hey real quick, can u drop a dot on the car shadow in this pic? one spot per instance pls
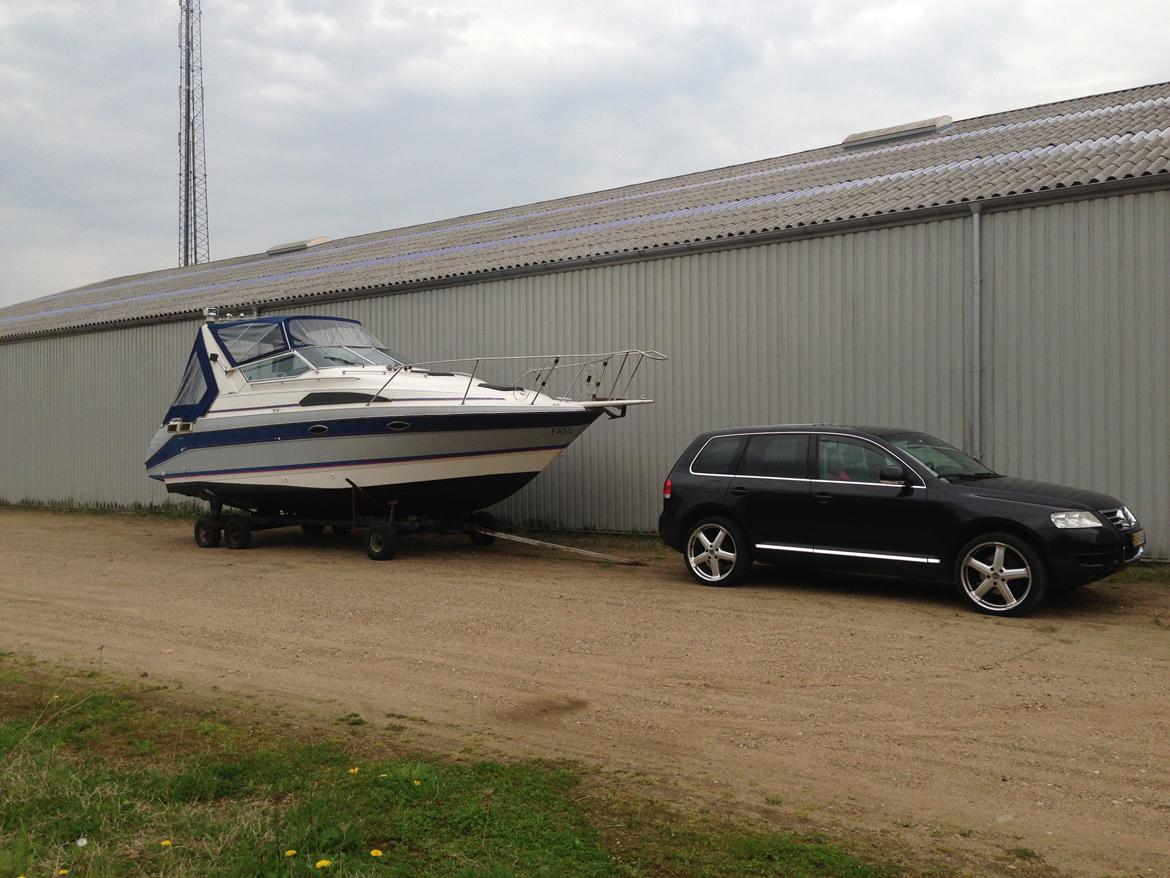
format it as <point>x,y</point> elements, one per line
<point>1094,600</point>
<point>859,585</point>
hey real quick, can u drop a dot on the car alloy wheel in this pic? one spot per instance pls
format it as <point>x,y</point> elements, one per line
<point>716,552</point>
<point>996,577</point>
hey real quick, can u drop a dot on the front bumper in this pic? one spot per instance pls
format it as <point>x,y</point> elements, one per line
<point>1079,556</point>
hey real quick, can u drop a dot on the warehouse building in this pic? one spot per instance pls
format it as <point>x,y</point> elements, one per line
<point>1002,282</point>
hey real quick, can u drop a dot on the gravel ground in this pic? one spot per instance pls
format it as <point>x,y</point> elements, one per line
<point>874,708</point>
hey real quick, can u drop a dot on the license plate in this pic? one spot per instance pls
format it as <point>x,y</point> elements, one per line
<point>1139,538</point>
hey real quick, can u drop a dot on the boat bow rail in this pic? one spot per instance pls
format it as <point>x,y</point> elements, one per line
<point>593,380</point>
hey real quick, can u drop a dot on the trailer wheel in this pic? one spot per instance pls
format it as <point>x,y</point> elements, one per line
<point>484,520</point>
<point>237,533</point>
<point>380,541</point>
<point>207,532</point>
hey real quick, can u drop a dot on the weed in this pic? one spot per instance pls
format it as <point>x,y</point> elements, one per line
<point>108,780</point>
<point>1024,854</point>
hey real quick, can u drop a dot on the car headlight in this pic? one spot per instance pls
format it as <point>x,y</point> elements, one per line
<point>1075,519</point>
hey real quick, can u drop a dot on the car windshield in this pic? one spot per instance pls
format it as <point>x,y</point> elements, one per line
<point>942,459</point>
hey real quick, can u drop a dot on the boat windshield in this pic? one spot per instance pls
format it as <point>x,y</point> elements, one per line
<point>942,459</point>
<point>326,356</point>
<point>379,356</point>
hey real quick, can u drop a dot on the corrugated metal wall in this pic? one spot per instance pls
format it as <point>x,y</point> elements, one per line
<point>1076,321</point>
<point>78,411</point>
<point>866,327</point>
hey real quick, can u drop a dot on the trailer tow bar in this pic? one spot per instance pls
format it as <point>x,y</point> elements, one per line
<point>528,541</point>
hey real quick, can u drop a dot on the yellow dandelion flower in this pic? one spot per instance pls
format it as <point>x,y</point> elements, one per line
<point>323,864</point>
<point>166,842</point>
<point>353,770</point>
<point>291,852</point>
<point>417,782</point>
<point>62,871</point>
<point>375,853</point>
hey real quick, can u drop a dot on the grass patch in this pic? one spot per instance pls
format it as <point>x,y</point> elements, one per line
<point>106,779</point>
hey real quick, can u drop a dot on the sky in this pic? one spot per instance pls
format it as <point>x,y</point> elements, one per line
<point>340,117</point>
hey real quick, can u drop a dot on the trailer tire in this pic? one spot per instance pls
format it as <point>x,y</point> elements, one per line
<point>380,541</point>
<point>484,520</point>
<point>207,532</point>
<point>237,533</point>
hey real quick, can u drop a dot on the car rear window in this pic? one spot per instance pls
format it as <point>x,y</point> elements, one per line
<point>718,456</point>
<point>778,455</point>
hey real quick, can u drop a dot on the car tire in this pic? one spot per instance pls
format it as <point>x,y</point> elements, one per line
<point>711,535</point>
<point>1001,574</point>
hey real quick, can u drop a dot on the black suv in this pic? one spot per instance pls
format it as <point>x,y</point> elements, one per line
<point>889,502</point>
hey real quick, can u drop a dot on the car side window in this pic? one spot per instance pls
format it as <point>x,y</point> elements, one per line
<point>718,456</point>
<point>777,455</point>
<point>850,460</point>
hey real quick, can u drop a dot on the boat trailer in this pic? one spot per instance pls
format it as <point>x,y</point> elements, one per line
<point>379,535</point>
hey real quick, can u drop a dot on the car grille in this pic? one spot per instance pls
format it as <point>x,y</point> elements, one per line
<point>1121,518</point>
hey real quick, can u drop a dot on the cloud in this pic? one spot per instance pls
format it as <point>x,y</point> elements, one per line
<point>340,117</point>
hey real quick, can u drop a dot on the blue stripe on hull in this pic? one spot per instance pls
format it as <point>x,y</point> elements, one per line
<point>343,463</point>
<point>371,426</point>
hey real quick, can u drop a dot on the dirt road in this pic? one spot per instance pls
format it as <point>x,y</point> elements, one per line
<point>875,708</point>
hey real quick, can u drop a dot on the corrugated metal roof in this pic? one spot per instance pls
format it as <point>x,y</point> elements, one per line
<point>1116,136</point>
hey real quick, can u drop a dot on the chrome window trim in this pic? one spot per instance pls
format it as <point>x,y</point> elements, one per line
<point>896,455</point>
<point>897,485</point>
<point>849,553</point>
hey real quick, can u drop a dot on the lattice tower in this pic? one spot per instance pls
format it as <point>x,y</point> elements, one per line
<point>193,244</point>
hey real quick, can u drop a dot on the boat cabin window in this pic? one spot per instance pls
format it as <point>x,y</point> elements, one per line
<point>325,357</point>
<point>194,384</point>
<point>309,332</point>
<point>247,341</point>
<point>287,366</point>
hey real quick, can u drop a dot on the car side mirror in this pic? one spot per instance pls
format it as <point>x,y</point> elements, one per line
<point>893,475</point>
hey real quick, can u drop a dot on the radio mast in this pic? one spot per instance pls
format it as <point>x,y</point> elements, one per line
<point>193,247</point>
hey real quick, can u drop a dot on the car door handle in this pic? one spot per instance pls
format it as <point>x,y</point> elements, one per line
<point>822,497</point>
<point>739,491</point>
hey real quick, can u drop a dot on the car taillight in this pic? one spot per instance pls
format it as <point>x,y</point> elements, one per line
<point>666,490</point>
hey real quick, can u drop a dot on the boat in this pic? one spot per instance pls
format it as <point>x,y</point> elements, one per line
<point>313,418</point>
